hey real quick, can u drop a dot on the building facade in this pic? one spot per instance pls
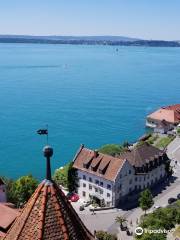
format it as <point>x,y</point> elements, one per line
<point>112,180</point>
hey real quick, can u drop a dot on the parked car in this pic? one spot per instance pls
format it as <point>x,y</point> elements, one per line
<point>157,207</point>
<point>178,196</point>
<point>172,200</point>
<point>74,197</point>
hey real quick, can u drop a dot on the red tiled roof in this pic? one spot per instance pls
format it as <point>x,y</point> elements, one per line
<point>7,216</point>
<point>98,164</point>
<point>170,114</point>
<point>2,235</point>
<point>48,215</point>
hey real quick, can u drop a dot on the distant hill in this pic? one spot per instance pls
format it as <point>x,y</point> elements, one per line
<point>88,40</point>
<point>71,38</point>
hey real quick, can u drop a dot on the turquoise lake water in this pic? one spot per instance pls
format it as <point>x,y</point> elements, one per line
<point>87,94</point>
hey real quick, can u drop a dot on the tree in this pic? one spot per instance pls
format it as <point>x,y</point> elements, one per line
<point>22,189</point>
<point>168,169</point>
<point>112,149</point>
<point>146,200</point>
<point>178,131</point>
<point>120,220</point>
<point>101,235</point>
<point>72,178</point>
<point>67,177</point>
<point>61,176</point>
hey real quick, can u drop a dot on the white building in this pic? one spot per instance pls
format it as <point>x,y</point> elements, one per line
<point>112,180</point>
<point>3,197</point>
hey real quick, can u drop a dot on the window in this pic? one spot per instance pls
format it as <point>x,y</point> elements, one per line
<point>84,177</point>
<point>108,195</point>
<point>120,186</point>
<point>90,179</point>
<point>90,187</point>
<point>120,176</point>
<point>108,186</point>
<point>97,181</point>
<point>101,191</point>
<point>129,171</point>
<point>130,181</point>
<point>84,185</point>
<point>135,179</point>
<point>84,194</point>
<point>101,184</point>
<point>96,190</point>
<point>130,190</point>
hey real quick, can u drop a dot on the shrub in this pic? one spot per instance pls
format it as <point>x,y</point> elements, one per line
<point>101,235</point>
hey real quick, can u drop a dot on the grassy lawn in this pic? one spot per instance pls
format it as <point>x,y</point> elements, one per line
<point>164,142</point>
<point>152,139</point>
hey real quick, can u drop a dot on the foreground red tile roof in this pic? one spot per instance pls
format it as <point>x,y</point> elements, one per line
<point>48,215</point>
<point>98,164</point>
<point>2,235</point>
<point>170,114</point>
<point>7,216</point>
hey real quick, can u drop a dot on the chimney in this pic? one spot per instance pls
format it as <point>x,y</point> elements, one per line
<point>96,153</point>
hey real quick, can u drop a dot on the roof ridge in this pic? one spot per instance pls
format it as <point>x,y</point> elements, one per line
<point>58,207</point>
<point>78,152</point>
<point>44,201</point>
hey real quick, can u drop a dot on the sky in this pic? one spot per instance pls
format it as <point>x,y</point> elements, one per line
<point>146,19</point>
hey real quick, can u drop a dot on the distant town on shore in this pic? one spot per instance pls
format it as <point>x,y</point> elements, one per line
<point>88,40</point>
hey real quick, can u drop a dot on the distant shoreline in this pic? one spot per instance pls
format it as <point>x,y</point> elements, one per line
<point>78,41</point>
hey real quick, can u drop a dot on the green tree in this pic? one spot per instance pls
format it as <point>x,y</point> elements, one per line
<point>112,149</point>
<point>178,131</point>
<point>120,220</point>
<point>72,178</point>
<point>22,189</point>
<point>61,176</point>
<point>146,200</point>
<point>67,177</point>
<point>168,169</point>
<point>101,235</point>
